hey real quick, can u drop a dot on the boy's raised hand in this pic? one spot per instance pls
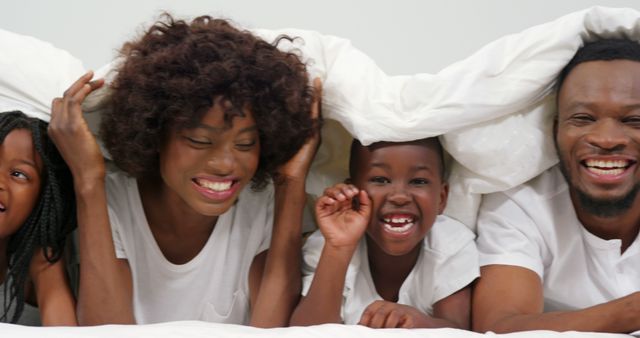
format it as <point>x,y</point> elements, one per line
<point>384,314</point>
<point>341,221</point>
<point>69,131</point>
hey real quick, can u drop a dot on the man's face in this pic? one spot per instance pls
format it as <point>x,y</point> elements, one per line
<point>598,135</point>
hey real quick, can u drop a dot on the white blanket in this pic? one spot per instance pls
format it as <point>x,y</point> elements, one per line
<point>211,330</point>
<point>492,110</point>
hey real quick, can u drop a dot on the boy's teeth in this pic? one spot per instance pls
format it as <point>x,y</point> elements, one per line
<point>215,186</point>
<point>398,220</point>
<point>398,229</point>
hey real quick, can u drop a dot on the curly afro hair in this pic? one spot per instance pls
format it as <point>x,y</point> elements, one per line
<point>172,75</point>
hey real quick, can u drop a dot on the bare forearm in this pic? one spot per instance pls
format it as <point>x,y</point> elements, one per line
<point>324,299</point>
<point>434,322</point>
<point>280,285</point>
<point>617,316</point>
<point>59,310</point>
<point>55,301</point>
<point>104,295</point>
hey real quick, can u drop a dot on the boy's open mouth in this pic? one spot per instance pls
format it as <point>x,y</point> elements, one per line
<point>398,223</point>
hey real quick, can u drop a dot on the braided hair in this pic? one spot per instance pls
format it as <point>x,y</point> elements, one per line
<point>51,219</point>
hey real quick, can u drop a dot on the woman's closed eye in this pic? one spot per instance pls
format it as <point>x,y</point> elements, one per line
<point>198,141</point>
<point>246,145</point>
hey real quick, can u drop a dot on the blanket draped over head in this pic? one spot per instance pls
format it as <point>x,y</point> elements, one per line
<point>492,110</point>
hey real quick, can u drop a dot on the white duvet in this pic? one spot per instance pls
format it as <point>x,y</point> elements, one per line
<point>492,111</point>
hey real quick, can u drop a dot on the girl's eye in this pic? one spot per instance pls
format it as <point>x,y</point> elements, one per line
<point>19,175</point>
<point>379,179</point>
<point>419,181</point>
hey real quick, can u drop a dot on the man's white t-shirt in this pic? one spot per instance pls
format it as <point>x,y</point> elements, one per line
<point>213,286</point>
<point>447,263</point>
<point>535,226</point>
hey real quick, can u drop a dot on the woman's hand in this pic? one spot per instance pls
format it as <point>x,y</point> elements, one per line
<point>69,131</point>
<point>298,166</point>
<point>341,221</point>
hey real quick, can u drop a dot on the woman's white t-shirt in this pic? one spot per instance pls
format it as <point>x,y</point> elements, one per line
<point>213,286</point>
<point>447,263</point>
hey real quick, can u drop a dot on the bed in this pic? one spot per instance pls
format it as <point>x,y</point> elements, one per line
<point>491,110</point>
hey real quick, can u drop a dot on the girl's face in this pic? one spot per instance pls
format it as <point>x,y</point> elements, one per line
<point>20,177</point>
<point>207,166</point>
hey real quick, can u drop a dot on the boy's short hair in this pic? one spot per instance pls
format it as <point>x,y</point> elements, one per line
<point>429,141</point>
<point>172,75</point>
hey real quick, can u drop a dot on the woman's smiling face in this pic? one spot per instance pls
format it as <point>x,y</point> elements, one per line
<point>21,171</point>
<point>207,166</point>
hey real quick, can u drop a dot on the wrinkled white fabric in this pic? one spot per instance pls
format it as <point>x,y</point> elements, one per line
<point>492,109</point>
<point>32,73</point>
<point>192,329</point>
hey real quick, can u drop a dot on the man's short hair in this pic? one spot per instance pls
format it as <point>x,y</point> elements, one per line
<point>601,50</point>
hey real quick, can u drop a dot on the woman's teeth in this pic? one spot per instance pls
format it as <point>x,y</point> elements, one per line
<point>215,186</point>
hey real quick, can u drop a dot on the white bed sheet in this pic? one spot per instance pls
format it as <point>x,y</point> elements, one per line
<point>193,329</point>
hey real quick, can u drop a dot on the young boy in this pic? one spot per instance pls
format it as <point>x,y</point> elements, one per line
<point>411,269</point>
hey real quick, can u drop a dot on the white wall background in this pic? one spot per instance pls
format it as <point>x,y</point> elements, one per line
<point>403,36</point>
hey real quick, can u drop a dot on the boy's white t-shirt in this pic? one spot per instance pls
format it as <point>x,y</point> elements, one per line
<point>213,286</point>
<point>535,226</point>
<point>447,263</point>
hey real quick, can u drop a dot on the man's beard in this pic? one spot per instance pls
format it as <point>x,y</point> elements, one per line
<point>601,207</point>
<point>606,208</point>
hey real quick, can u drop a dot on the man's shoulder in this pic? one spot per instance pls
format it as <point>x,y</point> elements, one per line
<point>447,236</point>
<point>546,186</point>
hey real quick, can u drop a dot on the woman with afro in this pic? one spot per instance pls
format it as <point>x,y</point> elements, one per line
<point>203,118</point>
<point>37,212</point>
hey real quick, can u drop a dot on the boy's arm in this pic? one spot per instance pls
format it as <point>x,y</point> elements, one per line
<point>510,298</point>
<point>56,303</point>
<point>105,295</point>
<point>452,311</point>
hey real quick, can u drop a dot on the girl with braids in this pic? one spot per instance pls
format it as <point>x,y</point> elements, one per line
<point>37,211</point>
<point>203,118</point>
